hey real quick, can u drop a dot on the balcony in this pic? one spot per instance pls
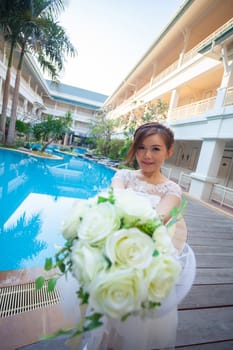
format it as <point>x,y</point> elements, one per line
<point>192,109</point>
<point>199,107</point>
<point>229,97</point>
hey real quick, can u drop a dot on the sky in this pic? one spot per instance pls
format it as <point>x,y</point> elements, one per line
<point>110,37</point>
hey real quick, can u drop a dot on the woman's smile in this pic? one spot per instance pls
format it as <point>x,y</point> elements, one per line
<point>147,163</point>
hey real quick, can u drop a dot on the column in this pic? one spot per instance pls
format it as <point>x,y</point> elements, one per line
<point>0,89</point>
<point>173,102</point>
<point>228,71</point>
<point>207,168</point>
<point>175,94</point>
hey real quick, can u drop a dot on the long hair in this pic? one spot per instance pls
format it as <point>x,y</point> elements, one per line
<point>148,129</point>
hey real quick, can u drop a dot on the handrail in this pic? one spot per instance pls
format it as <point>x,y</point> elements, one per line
<point>229,97</point>
<point>191,109</point>
<point>184,181</point>
<point>166,171</point>
<point>222,195</point>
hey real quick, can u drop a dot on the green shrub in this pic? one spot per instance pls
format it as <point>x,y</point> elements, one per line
<point>115,147</point>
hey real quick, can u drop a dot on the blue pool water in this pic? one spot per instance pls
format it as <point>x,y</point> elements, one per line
<point>35,197</point>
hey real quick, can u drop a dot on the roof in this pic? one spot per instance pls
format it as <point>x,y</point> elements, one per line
<point>76,96</point>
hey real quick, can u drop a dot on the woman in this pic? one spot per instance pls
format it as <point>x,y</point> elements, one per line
<point>153,144</point>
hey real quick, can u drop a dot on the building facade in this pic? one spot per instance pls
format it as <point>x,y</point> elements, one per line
<point>190,67</point>
<point>39,97</point>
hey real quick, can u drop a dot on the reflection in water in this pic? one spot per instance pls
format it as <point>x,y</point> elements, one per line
<point>35,196</point>
<point>13,241</point>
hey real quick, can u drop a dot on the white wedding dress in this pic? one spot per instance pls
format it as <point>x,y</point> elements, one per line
<point>155,330</point>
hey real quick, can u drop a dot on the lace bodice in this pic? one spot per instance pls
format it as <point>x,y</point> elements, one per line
<point>131,180</point>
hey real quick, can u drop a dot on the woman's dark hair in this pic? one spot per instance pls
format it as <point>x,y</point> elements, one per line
<point>146,130</point>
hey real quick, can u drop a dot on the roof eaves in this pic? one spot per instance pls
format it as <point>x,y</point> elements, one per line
<point>217,40</point>
<point>184,7</point>
<point>76,103</point>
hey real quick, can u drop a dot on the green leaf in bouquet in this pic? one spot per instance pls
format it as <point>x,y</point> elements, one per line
<point>150,305</point>
<point>109,263</point>
<point>83,296</point>
<point>111,196</point>
<point>124,224</point>
<point>104,199</point>
<point>39,282</point>
<point>87,324</point>
<point>52,284</point>
<point>94,321</point>
<point>56,334</point>
<point>172,221</point>
<point>48,264</point>
<point>155,253</point>
<point>176,211</point>
<point>124,318</point>
<point>150,226</point>
<point>128,222</point>
<point>183,204</point>
<point>61,265</point>
<point>69,242</point>
<point>109,199</point>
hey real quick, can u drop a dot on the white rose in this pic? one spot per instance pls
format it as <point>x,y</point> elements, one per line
<point>131,204</point>
<point>117,293</point>
<point>163,242</point>
<point>130,248</point>
<point>87,262</point>
<point>161,276</point>
<point>98,222</point>
<point>72,222</point>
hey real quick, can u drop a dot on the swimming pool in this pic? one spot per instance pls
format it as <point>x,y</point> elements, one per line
<point>36,195</point>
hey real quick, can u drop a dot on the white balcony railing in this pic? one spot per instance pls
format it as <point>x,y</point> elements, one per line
<point>193,109</point>
<point>222,195</point>
<point>184,181</point>
<point>166,171</point>
<point>229,97</point>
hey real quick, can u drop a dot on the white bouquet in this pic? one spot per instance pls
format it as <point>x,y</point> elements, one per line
<point>121,255</point>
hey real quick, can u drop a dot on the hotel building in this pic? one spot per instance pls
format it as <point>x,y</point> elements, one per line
<point>190,67</point>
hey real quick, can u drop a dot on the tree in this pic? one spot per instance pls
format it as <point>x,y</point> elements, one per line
<point>149,112</point>
<point>47,40</point>
<point>9,25</point>
<point>51,129</point>
<point>101,130</point>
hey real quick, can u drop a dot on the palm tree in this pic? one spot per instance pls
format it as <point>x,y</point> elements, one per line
<point>52,128</point>
<point>47,40</point>
<point>39,34</point>
<point>9,25</point>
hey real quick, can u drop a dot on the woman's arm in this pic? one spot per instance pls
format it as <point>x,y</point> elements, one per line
<point>117,183</point>
<point>179,229</point>
<point>118,180</point>
<point>166,204</point>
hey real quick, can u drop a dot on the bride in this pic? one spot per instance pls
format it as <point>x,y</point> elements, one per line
<point>153,144</point>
